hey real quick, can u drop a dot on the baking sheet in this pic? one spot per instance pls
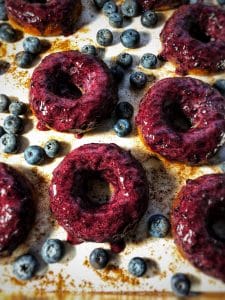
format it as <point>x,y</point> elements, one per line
<point>74,273</point>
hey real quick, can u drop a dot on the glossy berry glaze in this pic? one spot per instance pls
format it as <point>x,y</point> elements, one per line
<point>182,119</point>
<point>194,39</point>
<point>44,17</point>
<point>87,221</point>
<point>71,91</point>
<point>160,4</point>
<point>16,209</point>
<point>198,207</point>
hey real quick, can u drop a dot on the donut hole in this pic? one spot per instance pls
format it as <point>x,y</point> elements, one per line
<point>175,116</point>
<point>61,85</point>
<point>216,223</point>
<point>198,33</point>
<point>92,189</point>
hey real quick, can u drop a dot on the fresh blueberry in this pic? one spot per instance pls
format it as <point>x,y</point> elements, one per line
<point>89,49</point>
<point>52,148</point>
<point>3,12</point>
<point>52,251</point>
<point>138,80</point>
<point>109,7</point>
<point>24,59</point>
<point>104,37</point>
<point>7,33</point>
<point>122,127</point>
<point>221,2</point>
<point>8,143</point>
<point>149,19</point>
<point>130,8</point>
<point>125,60</point>
<point>99,3</point>
<point>130,38</point>
<point>116,20</point>
<point>148,61</point>
<point>34,155</point>
<point>137,266</point>
<point>180,284</point>
<point>220,86</point>
<point>32,45</point>
<point>99,258</point>
<point>17,108</point>
<point>117,72</point>
<point>4,66</point>
<point>124,110</point>
<point>4,103</point>
<point>13,124</point>
<point>2,131</point>
<point>158,226</point>
<point>25,267</point>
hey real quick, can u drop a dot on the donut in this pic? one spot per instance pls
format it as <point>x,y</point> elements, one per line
<point>198,223</point>
<point>71,91</point>
<point>44,17</point>
<point>182,119</point>
<point>16,209</point>
<point>85,220</point>
<point>194,39</point>
<point>160,4</point>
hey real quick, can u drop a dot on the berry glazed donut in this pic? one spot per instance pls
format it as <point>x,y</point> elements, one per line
<point>85,220</point>
<point>44,17</point>
<point>160,4</point>
<point>71,91</point>
<point>198,223</point>
<point>194,39</point>
<point>16,209</point>
<point>182,119</point>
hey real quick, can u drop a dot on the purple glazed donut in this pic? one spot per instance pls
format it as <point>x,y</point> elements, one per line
<point>77,214</point>
<point>194,39</point>
<point>160,4</point>
<point>198,223</point>
<point>44,17</point>
<point>16,209</point>
<point>182,119</point>
<point>71,91</point>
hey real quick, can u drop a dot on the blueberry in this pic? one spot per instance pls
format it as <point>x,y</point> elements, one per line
<point>89,49</point>
<point>99,3</point>
<point>7,33</point>
<point>116,20</point>
<point>52,251</point>
<point>3,12</point>
<point>122,127</point>
<point>148,60</point>
<point>125,60</point>
<point>25,267</point>
<point>2,131</point>
<point>138,80</point>
<point>17,108</point>
<point>221,2</point>
<point>52,148</point>
<point>180,284</point>
<point>99,258</point>
<point>24,59</point>
<point>34,155</point>
<point>8,143</point>
<point>104,37</point>
<point>149,19</point>
<point>130,38</point>
<point>4,103</point>
<point>137,266</point>
<point>109,7</point>
<point>220,86</point>
<point>158,226</point>
<point>32,45</point>
<point>130,8</point>
<point>124,110</point>
<point>4,66</point>
<point>13,124</point>
<point>117,72</point>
